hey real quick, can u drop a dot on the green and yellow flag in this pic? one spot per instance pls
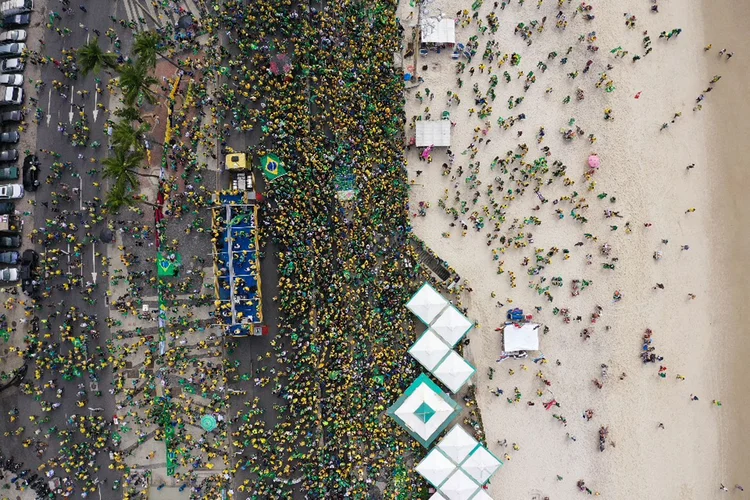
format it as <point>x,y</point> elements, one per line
<point>272,166</point>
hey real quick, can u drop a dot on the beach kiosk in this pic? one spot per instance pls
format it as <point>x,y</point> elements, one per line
<point>435,133</point>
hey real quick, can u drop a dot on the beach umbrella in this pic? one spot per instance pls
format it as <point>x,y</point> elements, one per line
<point>208,423</point>
<point>594,161</point>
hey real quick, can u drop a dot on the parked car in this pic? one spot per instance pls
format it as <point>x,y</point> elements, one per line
<point>8,173</point>
<point>11,95</point>
<point>9,155</point>
<point>31,167</point>
<point>16,20</point>
<point>12,50</point>
<point>10,240</point>
<point>10,137</point>
<point>12,7</point>
<point>29,276</point>
<point>14,65</point>
<point>13,36</point>
<point>11,191</point>
<point>12,79</point>
<point>7,207</point>
<point>29,262</point>
<point>9,257</point>
<point>17,4</point>
<point>11,116</point>
<point>9,275</point>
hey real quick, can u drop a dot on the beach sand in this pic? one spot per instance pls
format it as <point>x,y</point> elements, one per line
<point>701,445</point>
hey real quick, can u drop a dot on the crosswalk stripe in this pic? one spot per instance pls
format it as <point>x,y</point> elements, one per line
<point>128,10</point>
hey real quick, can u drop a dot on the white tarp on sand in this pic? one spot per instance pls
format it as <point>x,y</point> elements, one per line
<point>433,133</point>
<point>436,30</point>
<point>524,337</point>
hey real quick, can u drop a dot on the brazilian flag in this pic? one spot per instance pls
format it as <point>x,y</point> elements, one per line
<point>272,166</point>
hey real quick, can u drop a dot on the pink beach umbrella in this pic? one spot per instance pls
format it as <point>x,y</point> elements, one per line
<point>594,161</point>
<point>426,152</point>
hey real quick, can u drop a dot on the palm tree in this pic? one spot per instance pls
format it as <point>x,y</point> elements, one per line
<point>146,46</point>
<point>130,114</point>
<point>119,196</point>
<point>135,81</point>
<point>92,58</point>
<point>125,136</point>
<point>124,165</point>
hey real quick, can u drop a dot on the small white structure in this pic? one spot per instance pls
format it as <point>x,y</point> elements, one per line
<point>459,486</point>
<point>457,444</point>
<point>424,410</point>
<point>435,30</point>
<point>435,468</point>
<point>481,465</point>
<point>433,133</point>
<point>426,304</point>
<point>471,466</point>
<point>451,325</point>
<point>454,371</point>
<point>521,337</point>
<point>481,495</point>
<point>429,350</point>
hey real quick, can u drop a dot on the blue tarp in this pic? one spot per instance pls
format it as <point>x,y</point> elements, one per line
<point>241,231</point>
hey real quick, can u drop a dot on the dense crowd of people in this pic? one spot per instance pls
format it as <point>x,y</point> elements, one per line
<point>342,358</point>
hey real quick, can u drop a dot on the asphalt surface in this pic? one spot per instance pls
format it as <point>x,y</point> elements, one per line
<point>57,109</point>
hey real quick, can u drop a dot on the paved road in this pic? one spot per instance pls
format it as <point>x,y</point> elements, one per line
<point>57,109</point>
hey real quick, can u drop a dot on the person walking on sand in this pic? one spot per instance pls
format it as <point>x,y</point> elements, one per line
<point>723,488</point>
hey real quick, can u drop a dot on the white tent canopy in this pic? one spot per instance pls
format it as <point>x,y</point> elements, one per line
<point>426,304</point>
<point>435,467</point>
<point>436,30</point>
<point>429,350</point>
<point>451,325</point>
<point>424,410</point>
<point>481,495</point>
<point>459,486</point>
<point>523,337</point>
<point>433,133</point>
<point>457,444</point>
<point>437,496</point>
<point>454,371</point>
<point>481,465</point>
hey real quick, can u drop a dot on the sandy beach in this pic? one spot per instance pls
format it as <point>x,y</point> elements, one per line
<point>701,445</point>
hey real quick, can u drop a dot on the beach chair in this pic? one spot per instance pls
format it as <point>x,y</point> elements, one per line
<point>423,52</point>
<point>455,55</point>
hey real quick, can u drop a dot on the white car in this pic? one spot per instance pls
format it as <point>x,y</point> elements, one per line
<point>11,191</point>
<point>10,274</point>
<point>13,36</point>
<point>12,7</point>
<point>13,65</point>
<point>14,80</point>
<point>11,95</point>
